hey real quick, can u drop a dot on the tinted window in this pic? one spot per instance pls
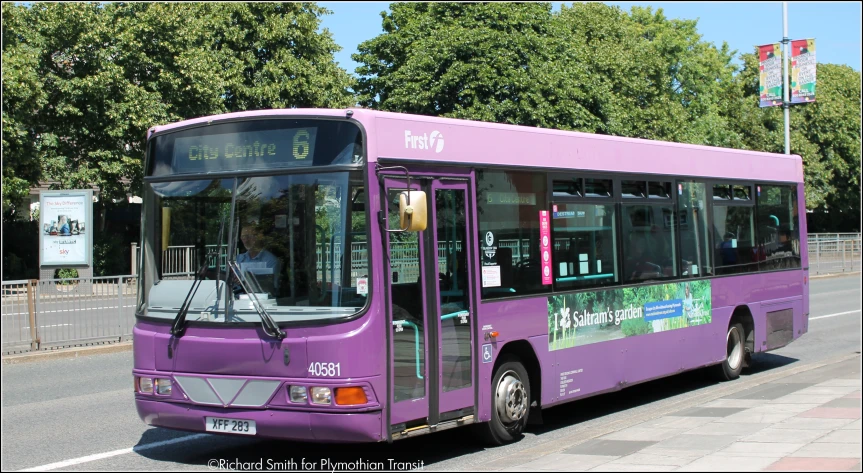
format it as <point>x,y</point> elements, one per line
<point>722,192</point>
<point>597,187</point>
<point>633,189</point>
<point>734,239</point>
<point>568,188</point>
<point>778,227</point>
<point>742,192</point>
<point>509,204</point>
<point>584,251</point>
<point>648,243</point>
<point>695,254</point>
<point>659,190</point>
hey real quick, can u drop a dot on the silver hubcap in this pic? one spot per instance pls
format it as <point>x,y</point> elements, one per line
<point>511,400</point>
<point>735,348</point>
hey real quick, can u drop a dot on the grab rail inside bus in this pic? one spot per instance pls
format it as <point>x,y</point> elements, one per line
<point>411,325</point>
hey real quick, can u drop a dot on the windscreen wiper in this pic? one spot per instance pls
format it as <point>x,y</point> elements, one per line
<point>270,326</point>
<point>179,325</point>
<point>219,268</point>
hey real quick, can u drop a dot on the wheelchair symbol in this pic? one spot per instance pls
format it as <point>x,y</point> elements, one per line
<point>486,353</point>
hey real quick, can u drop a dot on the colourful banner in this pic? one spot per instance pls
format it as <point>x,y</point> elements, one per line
<point>803,71</point>
<point>545,246</point>
<point>600,316</point>
<point>770,77</point>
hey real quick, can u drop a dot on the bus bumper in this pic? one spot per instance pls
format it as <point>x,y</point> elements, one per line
<point>270,423</point>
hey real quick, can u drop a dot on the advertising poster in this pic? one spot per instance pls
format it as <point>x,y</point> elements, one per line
<point>770,75</point>
<point>65,229</point>
<point>593,317</point>
<point>803,71</point>
<point>545,246</point>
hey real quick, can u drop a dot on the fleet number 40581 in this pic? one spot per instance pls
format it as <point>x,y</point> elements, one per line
<point>325,369</point>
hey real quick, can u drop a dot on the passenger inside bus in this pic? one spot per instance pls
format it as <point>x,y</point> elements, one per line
<point>728,249</point>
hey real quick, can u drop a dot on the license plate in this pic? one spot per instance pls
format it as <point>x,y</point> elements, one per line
<point>231,426</point>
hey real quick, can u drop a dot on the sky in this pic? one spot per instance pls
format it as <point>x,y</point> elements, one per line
<point>836,26</point>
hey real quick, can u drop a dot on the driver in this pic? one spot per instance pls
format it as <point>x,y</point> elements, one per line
<point>256,256</point>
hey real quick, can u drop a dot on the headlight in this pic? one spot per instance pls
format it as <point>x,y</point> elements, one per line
<point>163,386</point>
<point>145,385</point>
<point>321,396</point>
<point>298,394</point>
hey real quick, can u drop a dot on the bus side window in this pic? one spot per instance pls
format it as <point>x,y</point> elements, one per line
<point>584,252</point>
<point>692,227</point>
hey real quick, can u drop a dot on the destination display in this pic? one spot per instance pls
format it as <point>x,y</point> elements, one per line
<point>245,150</point>
<point>510,198</point>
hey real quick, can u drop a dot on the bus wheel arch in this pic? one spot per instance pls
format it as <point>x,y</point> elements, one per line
<point>739,343</point>
<point>743,315</point>
<point>515,393</point>
<point>523,350</point>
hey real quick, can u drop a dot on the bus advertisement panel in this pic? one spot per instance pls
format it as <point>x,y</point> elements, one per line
<point>592,317</point>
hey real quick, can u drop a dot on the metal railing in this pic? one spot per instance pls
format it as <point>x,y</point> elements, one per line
<point>66,312</point>
<point>831,253</point>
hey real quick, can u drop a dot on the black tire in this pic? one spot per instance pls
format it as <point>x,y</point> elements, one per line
<point>510,379</point>
<point>735,354</point>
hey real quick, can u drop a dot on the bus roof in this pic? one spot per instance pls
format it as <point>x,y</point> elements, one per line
<point>437,140</point>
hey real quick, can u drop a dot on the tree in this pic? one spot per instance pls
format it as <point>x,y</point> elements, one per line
<point>645,76</point>
<point>590,67</point>
<point>826,134</point>
<point>481,61</point>
<point>22,93</point>
<point>832,126</point>
<point>88,80</point>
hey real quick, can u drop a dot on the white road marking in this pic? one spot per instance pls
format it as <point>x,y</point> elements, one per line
<point>48,326</point>
<point>70,310</point>
<point>122,451</point>
<point>834,315</point>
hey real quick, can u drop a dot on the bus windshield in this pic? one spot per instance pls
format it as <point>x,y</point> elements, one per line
<point>299,240</point>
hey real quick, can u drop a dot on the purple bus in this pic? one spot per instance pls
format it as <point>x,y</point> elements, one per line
<point>363,276</point>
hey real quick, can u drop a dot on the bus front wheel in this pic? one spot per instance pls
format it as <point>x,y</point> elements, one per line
<point>735,353</point>
<point>510,403</point>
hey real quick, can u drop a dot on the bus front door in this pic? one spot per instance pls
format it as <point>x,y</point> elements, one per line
<point>430,304</point>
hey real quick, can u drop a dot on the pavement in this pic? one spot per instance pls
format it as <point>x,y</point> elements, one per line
<point>66,352</point>
<point>798,420</point>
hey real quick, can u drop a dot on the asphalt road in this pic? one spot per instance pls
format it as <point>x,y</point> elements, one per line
<point>81,411</point>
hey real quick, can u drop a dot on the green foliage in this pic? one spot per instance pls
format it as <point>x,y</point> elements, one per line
<point>23,94</point>
<point>593,67</point>
<point>110,255</point>
<point>832,126</point>
<point>590,67</point>
<point>635,327</point>
<point>66,274</point>
<point>83,82</point>
<point>826,133</point>
<point>482,61</point>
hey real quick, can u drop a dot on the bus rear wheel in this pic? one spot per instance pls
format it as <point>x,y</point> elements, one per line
<point>510,403</point>
<point>735,354</point>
